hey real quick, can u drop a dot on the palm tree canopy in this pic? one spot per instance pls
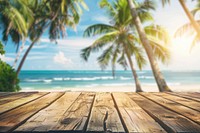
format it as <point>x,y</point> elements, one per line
<point>15,19</point>
<point>188,29</point>
<point>119,35</point>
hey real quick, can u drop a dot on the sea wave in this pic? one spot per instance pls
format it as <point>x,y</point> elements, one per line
<point>125,78</point>
<point>146,77</point>
<point>47,80</point>
<point>84,78</point>
<point>58,79</point>
<point>33,80</point>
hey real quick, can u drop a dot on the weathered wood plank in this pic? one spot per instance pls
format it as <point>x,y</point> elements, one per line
<point>75,119</point>
<point>176,107</point>
<point>2,94</point>
<point>192,94</point>
<point>134,118</point>
<point>19,102</point>
<point>14,97</point>
<point>47,118</point>
<point>12,119</point>
<point>186,102</point>
<point>185,95</point>
<point>169,120</point>
<point>104,116</point>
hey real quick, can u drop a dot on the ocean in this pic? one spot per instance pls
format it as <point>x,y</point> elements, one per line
<point>53,80</point>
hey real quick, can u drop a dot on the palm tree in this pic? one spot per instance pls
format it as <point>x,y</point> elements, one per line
<point>162,85</point>
<point>15,19</point>
<point>121,41</point>
<point>54,16</point>
<point>193,22</point>
<point>188,27</point>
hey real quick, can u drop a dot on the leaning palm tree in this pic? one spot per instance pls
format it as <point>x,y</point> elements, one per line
<point>120,40</point>
<point>188,27</point>
<point>193,22</point>
<point>162,85</point>
<point>54,16</point>
<point>15,19</point>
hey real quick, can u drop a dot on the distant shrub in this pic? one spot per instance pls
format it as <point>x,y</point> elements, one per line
<point>9,81</point>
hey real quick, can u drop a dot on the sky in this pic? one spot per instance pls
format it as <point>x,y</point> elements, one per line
<point>65,55</point>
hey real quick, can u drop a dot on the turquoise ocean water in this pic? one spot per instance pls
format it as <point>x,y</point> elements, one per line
<point>39,80</point>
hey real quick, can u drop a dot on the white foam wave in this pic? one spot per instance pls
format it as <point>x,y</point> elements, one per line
<point>125,78</point>
<point>47,80</point>
<point>33,80</point>
<point>146,77</point>
<point>89,79</point>
<point>58,79</point>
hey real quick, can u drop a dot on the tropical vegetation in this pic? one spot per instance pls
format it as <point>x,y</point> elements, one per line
<point>32,18</point>
<point>120,41</point>
<point>8,76</point>
<point>193,26</point>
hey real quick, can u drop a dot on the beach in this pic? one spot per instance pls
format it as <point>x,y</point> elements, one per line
<point>103,81</point>
<point>153,88</point>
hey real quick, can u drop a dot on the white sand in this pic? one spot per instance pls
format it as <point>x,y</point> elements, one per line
<point>176,88</point>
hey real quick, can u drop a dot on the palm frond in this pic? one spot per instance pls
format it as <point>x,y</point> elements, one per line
<point>194,42</point>
<point>161,52</point>
<point>103,41</point>
<point>164,2</point>
<point>98,29</point>
<point>85,53</point>
<point>105,57</point>
<point>186,28</point>
<point>122,61</point>
<point>158,33</point>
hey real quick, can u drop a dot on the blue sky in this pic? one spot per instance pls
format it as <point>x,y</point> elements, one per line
<point>66,54</point>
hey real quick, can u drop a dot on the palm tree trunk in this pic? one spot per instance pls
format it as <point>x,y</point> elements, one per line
<point>25,55</point>
<point>137,82</point>
<point>18,54</point>
<point>162,85</point>
<point>33,42</point>
<point>191,18</point>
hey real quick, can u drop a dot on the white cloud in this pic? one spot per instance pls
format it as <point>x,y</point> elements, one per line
<point>101,18</point>
<point>81,42</point>
<point>6,59</point>
<point>61,59</point>
<point>36,57</point>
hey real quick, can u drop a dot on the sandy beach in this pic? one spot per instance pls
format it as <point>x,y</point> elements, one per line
<point>152,88</point>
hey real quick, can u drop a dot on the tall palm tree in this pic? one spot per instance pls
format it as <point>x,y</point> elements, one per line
<point>188,27</point>
<point>54,16</point>
<point>162,85</point>
<point>193,22</point>
<point>15,19</point>
<point>121,41</point>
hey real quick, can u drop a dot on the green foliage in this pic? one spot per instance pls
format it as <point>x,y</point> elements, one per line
<point>8,78</point>
<point>1,49</point>
<point>119,38</point>
<point>9,81</point>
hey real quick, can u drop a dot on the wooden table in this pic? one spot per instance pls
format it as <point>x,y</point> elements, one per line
<point>100,112</point>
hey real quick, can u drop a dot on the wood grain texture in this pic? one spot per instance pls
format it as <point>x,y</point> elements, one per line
<point>104,116</point>
<point>185,95</point>
<point>50,116</point>
<point>192,94</point>
<point>176,107</point>
<point>19,102</point>
<point>14,97</point>
<point>184,101</point>
<point>169,120</point>
<point>12,119</point>
<point>75,119</point>
<point>3,94</point>
<point>134,118</point>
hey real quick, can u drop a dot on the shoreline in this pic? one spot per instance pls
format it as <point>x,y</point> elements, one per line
<point>146,88</point>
